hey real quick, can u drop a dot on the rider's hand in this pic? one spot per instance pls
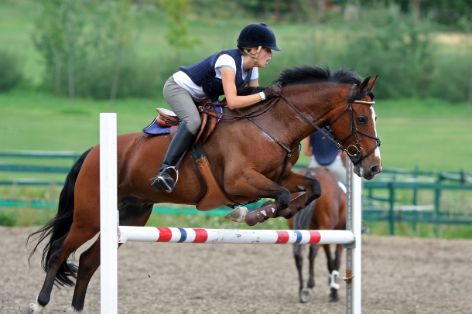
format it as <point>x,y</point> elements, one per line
<point>273,91</point>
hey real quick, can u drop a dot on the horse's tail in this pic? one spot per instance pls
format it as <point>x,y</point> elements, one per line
<point>59,226</point>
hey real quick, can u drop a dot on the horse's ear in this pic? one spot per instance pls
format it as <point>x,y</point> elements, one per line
<point>371,84</point>
<point>368,83</point>
<point>364,84</point>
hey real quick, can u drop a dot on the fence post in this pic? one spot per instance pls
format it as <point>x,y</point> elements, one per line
<point>353,252</point>
<point>108,215</point>
<point>391,210</point>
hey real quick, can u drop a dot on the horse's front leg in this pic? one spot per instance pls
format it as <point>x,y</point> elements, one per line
<point>295,182</point>
<point>252,184</point>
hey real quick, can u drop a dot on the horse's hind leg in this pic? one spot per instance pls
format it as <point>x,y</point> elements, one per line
<point>334,279</point>
<point>60,251</point>
<point>130,214</point>
<point>333,268</point>
<point>311,258</point>
<point>45,292</point>
<point>88,263</point>
<point>303,294</point>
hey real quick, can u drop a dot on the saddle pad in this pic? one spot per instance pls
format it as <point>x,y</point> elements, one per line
<point>155,129</point>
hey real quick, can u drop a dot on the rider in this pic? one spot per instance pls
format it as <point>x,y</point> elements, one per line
<point>324,153</point>
<point>222,73</point>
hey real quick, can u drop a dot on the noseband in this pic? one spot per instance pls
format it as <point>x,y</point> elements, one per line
<point>353,150</point>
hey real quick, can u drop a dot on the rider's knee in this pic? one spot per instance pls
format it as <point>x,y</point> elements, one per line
<point>193,124</point>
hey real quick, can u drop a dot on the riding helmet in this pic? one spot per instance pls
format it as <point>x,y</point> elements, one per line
<point>254,35</point>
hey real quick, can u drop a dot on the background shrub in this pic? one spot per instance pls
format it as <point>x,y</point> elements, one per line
<point>7,218</point>
<point>10,72</point>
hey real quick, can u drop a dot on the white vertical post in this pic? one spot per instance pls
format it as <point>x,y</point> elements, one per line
<point>108,214</point>
<point>354,251</point>
<point>357,230</point>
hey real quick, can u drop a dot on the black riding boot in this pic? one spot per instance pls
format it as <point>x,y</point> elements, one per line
<point>168,175</point>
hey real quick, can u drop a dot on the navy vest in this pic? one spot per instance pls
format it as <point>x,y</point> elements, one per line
<point>203,73</point>
<point>324,150</point>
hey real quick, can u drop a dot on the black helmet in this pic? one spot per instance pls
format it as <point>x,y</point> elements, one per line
<point>254,35</point>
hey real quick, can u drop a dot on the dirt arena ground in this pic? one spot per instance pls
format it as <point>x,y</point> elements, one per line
<point>400,275</point>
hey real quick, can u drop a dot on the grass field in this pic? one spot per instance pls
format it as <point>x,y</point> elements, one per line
<point>430,134</point>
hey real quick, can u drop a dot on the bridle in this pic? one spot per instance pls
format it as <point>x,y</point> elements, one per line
<point>353,150</point>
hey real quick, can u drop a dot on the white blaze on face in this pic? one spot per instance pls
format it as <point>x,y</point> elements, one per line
<point>377,149</point>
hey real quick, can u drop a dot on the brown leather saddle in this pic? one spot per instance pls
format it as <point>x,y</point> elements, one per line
<point>210,114</point>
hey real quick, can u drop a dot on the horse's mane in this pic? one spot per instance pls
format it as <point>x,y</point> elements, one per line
<point>308,74</point>
<point>302,75</point>
<point>314,74</point>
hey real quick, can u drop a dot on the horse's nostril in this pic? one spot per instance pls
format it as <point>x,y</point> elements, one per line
<point>376,169</point>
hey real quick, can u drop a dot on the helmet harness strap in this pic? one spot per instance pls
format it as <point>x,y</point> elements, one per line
<point>255,56</point>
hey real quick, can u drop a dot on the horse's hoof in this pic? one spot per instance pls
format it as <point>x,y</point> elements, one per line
<point>333,295</point>
<point>71,310</point>
<point>238,214</point>
<point>33,308</point>
<point>305,295</point>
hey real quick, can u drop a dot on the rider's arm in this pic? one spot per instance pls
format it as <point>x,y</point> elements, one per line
<point>229,86</point>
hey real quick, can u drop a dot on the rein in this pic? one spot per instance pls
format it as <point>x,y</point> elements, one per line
<point>353,150</point>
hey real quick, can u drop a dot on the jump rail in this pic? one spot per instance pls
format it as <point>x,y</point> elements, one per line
<point>213,236</point>
<point>111,234</point>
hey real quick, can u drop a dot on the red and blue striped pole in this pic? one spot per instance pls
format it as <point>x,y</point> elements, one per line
<point>234,236</point>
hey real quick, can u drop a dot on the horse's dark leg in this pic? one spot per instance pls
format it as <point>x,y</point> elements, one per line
<point>132,213</point>
<point>88,264</point>
<point>334,274</point>
<point>295,182</point>
<point>59,254</point>
<point>253,183</point>
<point>311,258</point>
<point>333,269</point>
<point>45,292</point>
<point>303,294</point>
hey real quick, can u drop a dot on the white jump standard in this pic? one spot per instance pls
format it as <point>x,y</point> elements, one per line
<point>111,234</point>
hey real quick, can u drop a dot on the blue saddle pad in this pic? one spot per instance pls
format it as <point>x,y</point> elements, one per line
<point>155,129</point>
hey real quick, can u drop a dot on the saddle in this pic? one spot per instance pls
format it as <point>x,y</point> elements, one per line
<point>210,113</point>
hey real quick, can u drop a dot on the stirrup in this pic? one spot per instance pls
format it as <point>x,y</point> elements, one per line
<point>161,181</point>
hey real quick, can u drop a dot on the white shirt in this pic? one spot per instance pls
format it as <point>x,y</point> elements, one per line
<point>224,60</point>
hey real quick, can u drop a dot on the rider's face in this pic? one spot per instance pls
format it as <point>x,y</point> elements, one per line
<point>264,57</point>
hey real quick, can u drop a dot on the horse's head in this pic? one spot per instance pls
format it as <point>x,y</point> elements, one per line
<point>354,127</point>
<point>342,101</point>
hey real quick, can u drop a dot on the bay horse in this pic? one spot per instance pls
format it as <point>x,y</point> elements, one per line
<point>328,212</point>
<point>251,154</point>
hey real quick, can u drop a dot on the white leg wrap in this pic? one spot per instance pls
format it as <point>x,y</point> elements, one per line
<point>334,280</point>
<point>34,308</point>
<point>71,310</point>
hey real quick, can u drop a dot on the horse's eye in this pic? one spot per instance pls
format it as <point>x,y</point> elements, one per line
<point>362,120</point>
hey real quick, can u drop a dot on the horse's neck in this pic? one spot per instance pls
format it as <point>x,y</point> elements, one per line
<point>292,117</point>
<point>306,105</point>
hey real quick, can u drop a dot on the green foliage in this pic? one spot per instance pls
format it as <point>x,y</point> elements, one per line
<point>451,77</point>
<point>396,48</point>
<point>414,57</point>
<point>10,71</point>
<point>88,49</point>
<point>177,34</point>
<point>7,218</point>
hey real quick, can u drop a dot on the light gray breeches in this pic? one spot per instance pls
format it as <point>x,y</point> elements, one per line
<point>182,104</point>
